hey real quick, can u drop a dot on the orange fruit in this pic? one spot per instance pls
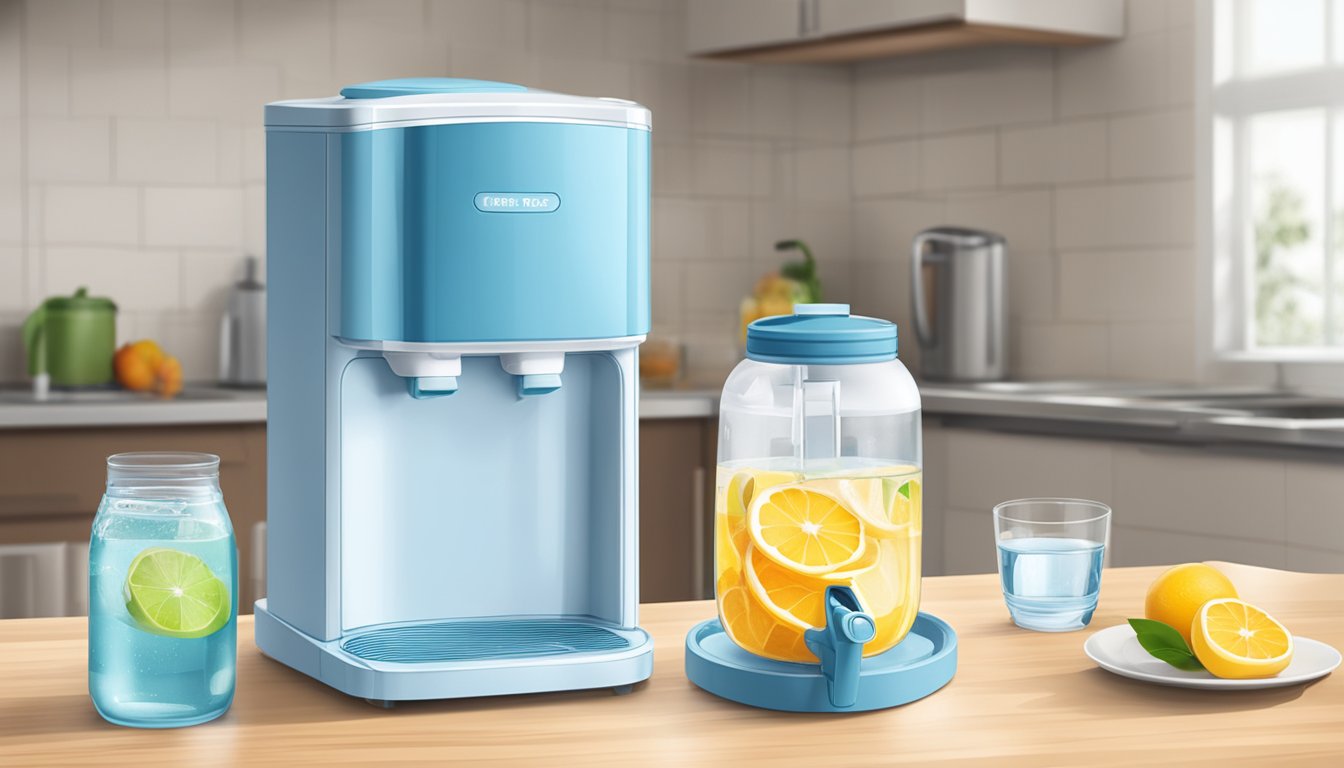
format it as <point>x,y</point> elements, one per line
<point>170,376</point>
<point>150,350</point>
<point>134,372</point>
<point>1176,596</point>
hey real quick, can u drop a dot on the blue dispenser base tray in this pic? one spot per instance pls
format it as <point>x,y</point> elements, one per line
<point>454,659</point>
<point>922,663</point>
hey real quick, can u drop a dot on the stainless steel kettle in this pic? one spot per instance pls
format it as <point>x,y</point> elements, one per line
<point>242,333</point>
<point>959,304</point>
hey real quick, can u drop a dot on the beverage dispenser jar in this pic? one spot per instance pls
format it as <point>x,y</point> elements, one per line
<point>817,524</point>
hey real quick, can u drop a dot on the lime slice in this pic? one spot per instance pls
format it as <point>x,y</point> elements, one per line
<point>175,594</point>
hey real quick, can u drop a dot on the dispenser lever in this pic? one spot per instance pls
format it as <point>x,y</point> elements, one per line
<point>532,384</point>
<point>839,644</point>
<point>425,387</point>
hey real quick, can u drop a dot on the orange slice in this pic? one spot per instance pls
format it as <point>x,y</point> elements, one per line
<point>805,530</point>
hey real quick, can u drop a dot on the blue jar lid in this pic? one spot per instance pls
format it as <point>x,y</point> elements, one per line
<point>821,334</point>
<point>407,86</point>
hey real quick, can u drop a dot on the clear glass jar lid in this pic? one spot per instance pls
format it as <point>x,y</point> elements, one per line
<point>179,469</point>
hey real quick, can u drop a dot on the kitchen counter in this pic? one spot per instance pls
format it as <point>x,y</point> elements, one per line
<point>216,405</point>
<point>1019,698</point>
<point>112,407</point>
<point>1228,417</point>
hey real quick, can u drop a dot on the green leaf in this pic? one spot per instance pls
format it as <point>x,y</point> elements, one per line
<point>1163,642</point>
<point>1178,659</point>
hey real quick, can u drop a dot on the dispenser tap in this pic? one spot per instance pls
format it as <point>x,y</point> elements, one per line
<point>839,644</point>
<point>538,373</point>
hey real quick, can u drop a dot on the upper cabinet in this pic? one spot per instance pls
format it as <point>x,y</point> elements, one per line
<point>850,30</point>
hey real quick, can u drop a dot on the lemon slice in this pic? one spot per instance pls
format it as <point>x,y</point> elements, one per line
<point>805,530</point>
<point>903,500</point>
<point>786,595</point>
<point>887,505</point>
<point>175,594</point>
<point>1236,640</point>
<point>753,628</point>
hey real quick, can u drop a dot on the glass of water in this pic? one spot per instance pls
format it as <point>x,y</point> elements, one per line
<point>1050,554</point>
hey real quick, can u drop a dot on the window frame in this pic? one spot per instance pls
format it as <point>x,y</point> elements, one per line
<point>1226,304</point>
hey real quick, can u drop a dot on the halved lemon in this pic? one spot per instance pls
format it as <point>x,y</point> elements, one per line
<point>1234,639</point>
<point>805,530</point>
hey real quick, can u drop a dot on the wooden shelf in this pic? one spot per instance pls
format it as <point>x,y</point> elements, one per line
<point>902,42</point>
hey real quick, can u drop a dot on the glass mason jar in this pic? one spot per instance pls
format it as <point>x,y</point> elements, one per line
<point>819,482</point>
<point>163,592</point>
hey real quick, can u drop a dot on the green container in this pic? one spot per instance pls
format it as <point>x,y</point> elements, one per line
<point>72,338</point>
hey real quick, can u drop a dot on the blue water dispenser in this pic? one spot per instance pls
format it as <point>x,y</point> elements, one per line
<point>459,282</point>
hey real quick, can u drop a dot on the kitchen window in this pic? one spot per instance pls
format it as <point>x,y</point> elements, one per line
<point>1273,118</point>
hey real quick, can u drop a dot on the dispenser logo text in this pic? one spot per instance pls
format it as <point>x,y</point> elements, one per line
<point>517,202</point>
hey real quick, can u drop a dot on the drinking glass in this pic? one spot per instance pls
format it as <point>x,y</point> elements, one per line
<point>163,592</point>
<point>1050,555</point>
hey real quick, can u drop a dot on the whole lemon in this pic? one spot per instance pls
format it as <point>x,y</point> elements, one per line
<point>1176,596</point>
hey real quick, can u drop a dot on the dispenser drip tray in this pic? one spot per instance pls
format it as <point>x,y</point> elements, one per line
<point>481,639</point>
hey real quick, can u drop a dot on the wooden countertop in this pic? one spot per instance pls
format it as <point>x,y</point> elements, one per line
<point>1019,698</point>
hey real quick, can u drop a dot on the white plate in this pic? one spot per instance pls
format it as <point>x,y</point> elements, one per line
<point>1116,649</point>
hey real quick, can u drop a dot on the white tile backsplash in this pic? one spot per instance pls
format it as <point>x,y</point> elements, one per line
<point>888,168</point>
<point>50,149</point>
<point>136,24</point>
<point>113,82</point>
<point>1125,76</point>
<point>167,151</point>
<point>1153,145</point>
<point>91,215</point>
<point>1137,214</point>
<point>75,23</point>
<point>203,32</point>
<point>11,291</point>
<point>958,161</point>
<point>194,216</point>
<point>138,159</point>
<point>981,88</point>
<point>118,273</point>
<point>1081,157</point>
<point>1053,153</point>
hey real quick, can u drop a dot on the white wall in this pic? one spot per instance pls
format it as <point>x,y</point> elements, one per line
<point>1082,157</point>
<point>131,144</point>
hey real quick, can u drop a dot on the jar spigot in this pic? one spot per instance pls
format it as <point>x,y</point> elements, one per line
<point>839,644</point>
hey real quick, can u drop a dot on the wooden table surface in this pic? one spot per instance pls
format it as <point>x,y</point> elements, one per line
<point>1019,698</point>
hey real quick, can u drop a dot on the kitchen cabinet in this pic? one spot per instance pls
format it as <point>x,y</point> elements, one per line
<point>676,508</point>
<point>51,481</point>
<point>1171,503</point>
<point>850,30</point>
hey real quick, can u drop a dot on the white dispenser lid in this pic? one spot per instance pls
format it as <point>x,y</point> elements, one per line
<point>427,101</point>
